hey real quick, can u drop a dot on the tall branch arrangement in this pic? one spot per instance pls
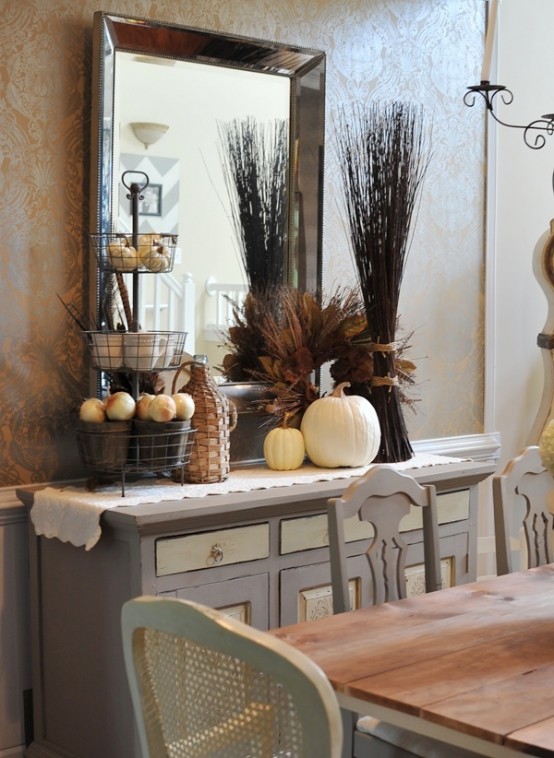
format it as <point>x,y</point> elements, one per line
<point>384,156</point>
<point>255,160</point>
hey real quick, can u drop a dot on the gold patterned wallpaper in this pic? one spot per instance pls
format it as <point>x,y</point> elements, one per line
<point>418,50</point>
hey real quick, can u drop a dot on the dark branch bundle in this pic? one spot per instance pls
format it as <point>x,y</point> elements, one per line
<point>384,157</point>
<point>255,160</point>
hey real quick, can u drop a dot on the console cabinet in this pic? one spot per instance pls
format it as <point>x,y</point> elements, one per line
<point>261,556</point>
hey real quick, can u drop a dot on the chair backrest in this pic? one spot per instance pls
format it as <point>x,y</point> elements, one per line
<point>204,684</point>
<point>525,479</point>
<point>383,496</point>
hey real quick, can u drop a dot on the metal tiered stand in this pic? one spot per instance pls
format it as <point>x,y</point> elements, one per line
<point>122,447</point>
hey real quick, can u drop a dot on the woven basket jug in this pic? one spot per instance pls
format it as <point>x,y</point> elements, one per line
<point>214,419</point>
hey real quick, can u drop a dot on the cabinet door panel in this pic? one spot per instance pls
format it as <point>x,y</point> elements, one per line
<point>306,591</point>
<point>245,598</point>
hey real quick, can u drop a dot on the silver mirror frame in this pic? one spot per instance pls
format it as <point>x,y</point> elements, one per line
<point>304,67</point>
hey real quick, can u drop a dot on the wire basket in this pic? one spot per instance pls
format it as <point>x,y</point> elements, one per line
<point>162,446</point>
<point>105,447</point>
<point>122,447</point>
<point>136,351</point>
<point>154,253</point>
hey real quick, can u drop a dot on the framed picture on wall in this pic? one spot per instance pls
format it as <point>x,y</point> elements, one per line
<point>151,203</point>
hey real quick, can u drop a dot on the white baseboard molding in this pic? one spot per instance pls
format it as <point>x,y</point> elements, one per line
<point>478,447</point>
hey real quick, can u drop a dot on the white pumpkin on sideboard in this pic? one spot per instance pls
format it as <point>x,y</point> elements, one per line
<point>341,430</point>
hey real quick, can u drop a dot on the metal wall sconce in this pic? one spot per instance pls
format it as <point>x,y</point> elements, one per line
<point>534,136</point>
<point>535,132</point>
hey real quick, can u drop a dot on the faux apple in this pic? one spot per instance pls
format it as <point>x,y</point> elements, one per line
<point>162,408</point>
<point>143,406</point>
<point>120,406</point>
<point>184,405</point>
<point>93,411</point>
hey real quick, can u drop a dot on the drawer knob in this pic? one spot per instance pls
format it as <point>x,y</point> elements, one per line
<point>216,553</point>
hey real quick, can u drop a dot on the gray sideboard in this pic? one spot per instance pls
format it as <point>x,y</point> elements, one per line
<point>261,555</point>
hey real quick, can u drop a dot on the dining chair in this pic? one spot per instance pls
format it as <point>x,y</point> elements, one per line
<point>203,684</point>
<point>520,500</point>
<point>382,497</point>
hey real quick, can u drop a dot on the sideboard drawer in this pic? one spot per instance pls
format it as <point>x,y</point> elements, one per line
<point>220,548</point>
<point>451,506</point>
<point>311,531</point>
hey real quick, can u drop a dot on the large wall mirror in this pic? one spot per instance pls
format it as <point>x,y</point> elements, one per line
<point>180,84</point>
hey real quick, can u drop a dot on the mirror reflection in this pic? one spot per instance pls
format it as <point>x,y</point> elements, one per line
<point>162,93</point>
<point>188,194</point>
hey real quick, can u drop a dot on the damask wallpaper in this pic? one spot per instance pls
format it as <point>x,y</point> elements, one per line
<point>423,51</point>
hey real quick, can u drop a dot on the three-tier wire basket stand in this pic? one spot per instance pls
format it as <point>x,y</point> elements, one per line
<point>117,448</point>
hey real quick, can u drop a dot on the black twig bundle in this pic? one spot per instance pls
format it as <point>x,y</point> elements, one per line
<point>384,157</point>
<point>255,159</point>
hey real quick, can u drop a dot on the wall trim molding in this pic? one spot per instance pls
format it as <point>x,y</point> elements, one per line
<point>12,510</point>
<point>478,447</point>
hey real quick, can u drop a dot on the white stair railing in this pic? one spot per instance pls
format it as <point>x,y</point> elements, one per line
<point>226,297</point>
<point>168,304</point>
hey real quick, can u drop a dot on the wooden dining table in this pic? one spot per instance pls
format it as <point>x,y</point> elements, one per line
<point>472,665</point>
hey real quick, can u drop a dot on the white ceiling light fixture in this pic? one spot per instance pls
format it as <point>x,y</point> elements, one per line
<point>149,133</point>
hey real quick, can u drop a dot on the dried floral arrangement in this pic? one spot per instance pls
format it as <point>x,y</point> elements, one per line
<point>383,155</point>
<point>255,158</point>
<point>284,338</point>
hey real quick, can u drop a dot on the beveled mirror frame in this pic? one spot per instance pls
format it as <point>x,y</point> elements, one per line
<point>304,67</point>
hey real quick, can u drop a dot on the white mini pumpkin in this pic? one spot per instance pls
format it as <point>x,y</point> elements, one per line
<point>122,255</point>
<point>341,430</point>
<point>284,448</point>
<point>153,254</point>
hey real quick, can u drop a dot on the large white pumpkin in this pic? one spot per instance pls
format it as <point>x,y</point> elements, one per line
<point>341,430</point>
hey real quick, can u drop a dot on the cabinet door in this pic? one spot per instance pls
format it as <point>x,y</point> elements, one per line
<point>306,591</point>
<point>245,598</point>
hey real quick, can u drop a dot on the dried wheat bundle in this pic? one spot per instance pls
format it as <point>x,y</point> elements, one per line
<point>384,156</point>
<point>303,335</point>
<point>255,158</point>
<point>283,337</point>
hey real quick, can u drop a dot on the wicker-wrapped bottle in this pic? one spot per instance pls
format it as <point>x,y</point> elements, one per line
<point>214,419</point>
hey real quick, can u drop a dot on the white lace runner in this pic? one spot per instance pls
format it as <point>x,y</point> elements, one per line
<point>72,514</point>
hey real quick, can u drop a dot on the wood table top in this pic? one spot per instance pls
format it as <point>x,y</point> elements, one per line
<point>476,658</point>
